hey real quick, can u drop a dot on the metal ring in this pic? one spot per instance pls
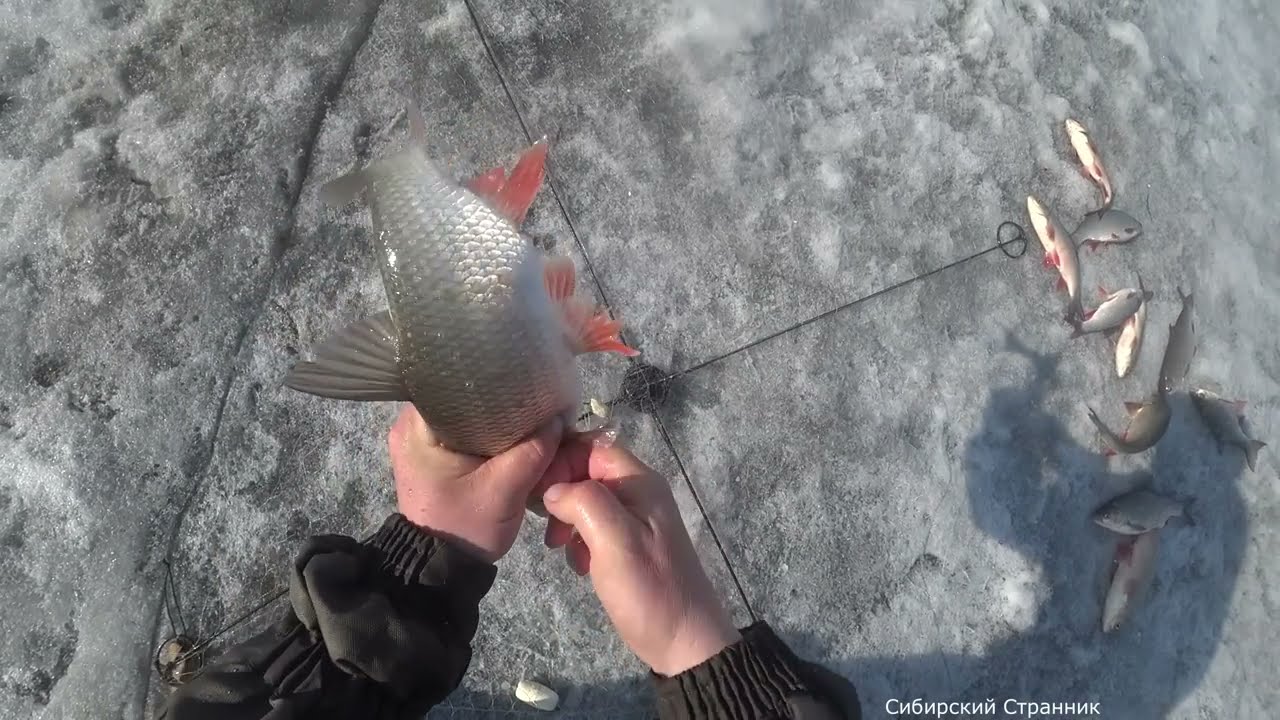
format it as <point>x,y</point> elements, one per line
<point>1007,246</point>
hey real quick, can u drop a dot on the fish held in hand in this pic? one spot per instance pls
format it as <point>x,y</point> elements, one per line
<point>1224,420</point>
<point>1113,312</point>
<point>1181,347</point>
<point>1090,159</point>
<point>1148,421</point>
<point>1059,252</point>
<point>1106,227</point>
<point>1129,344</point>
<point>1135,563</point>
<point>1139,511</point>
<point>482,329</point>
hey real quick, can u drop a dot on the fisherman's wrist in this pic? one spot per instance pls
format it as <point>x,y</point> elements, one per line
<point>416,554</point>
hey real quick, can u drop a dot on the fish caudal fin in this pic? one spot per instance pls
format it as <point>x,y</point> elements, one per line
<point>512,195</point>
<point>355,363</point>
<point>592,330</point>
<point>1251,453</point>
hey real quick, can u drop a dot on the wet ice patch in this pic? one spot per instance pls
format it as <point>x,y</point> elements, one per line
<point>1021,595</point>
<point>1129,35</point>
<point>453,19</point>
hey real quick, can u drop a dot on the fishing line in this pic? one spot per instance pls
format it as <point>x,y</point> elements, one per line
<point>171,590</point>
<point>528,136</point>
<point>1012,247</point>
<point>1006,246</point>
<point>171,670</point>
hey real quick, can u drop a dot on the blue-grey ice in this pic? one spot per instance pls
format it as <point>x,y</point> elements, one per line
<point>902,488</point>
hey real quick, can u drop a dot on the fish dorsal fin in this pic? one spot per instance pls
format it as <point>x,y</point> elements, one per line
<point>417,125</point>
<point>359,362</point>
<point>1132,407</point>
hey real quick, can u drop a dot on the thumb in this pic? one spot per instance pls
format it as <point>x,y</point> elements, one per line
<point>520,468</point>
<point>593,511</point>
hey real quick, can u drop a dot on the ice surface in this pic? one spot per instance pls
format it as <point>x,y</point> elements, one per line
<point>903,487</point>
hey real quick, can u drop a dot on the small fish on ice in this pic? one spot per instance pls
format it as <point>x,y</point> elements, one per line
<point>1224,419</point>
<point>1139,511</point>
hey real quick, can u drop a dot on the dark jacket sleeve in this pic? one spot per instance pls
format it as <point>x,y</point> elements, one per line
<point>377,629</point>
<point>757,678</point>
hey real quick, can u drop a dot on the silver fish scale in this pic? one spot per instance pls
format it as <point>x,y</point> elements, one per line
<point>482,350</point>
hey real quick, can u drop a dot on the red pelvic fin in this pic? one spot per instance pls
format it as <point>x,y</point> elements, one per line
<point>560,277</point>
<point>523,184</point>
<point>488,184</point>
<point>592,330</point>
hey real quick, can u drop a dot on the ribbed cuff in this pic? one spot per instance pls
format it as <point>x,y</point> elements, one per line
<point>416,556</point>
<point>750,679</point>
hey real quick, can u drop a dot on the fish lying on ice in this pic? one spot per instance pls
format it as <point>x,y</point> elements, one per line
<point>1106,227</point>
<point>1224,420</point>
<point>1090,159</point>
<point>1059,252</point>
<point>1147,422</point>
<point>1135,567</point>
<point>1129,344</point>
<point>1113,312</point>
<point>482,328</point>
<point>1139,511</point>
<point>1180,348</point>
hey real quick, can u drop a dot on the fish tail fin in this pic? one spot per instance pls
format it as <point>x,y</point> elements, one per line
<point>1074,310</point>
<point>1146,294</point>
<point>1251,453</point>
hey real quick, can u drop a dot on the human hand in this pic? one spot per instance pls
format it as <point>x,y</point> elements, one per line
<point>475,502</point>
<point>618,522</point>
